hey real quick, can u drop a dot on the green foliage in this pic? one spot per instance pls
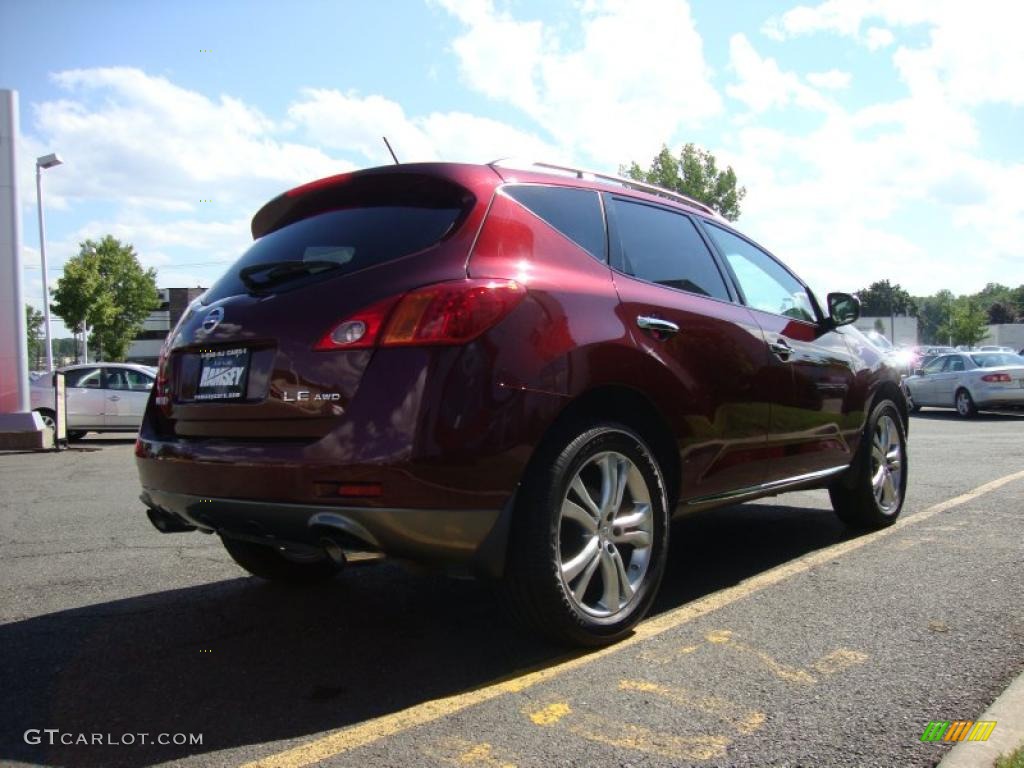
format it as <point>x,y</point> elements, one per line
<point>36,338</point>
<point>966,324</point>
<point>932,312</point>
<point>1014,759</point>
<point>106,288</point>
<point>695,174</point>
<point>882,298</point>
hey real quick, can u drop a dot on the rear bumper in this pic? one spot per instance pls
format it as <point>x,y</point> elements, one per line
<point>469,539</point>
<point>999,397</point>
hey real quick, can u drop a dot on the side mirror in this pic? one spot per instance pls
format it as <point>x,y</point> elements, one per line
<point>919,372</point>
<point>843,308</point>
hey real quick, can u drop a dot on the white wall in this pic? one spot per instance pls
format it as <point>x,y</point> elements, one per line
<point>906,328</point>
<point>1006,334</point>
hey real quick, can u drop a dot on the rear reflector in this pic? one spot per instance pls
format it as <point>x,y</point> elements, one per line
<point>360,490</point>
<point>360,331</point>
<point>445,313</point>
<point>1003,378</point>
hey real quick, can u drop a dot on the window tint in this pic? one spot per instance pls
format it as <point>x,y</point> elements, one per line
<point>664,247</point>
<point>83,377</point>
<point>954,363</point>
<point>366,222</point>
<point>766,285</point>
<point>576,213</point>
<point>128,379</point>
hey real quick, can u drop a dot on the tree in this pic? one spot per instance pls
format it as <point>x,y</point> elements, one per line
<point>34,328</point>
<point>932,313</point>
<point>695,174</point>
<point>106,288</point>
<point>1001,312</point>
<point>882,298</point>
<point>966,324</point>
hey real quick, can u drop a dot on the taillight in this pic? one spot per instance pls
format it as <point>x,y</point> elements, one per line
<point>361,330</point>
<point>161,387</point>
<point>444,313</point>
<point>1003,378</point>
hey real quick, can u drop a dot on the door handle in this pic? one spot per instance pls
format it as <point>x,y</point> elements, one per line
<point>114,398</point>
<point>657,325</point>
<point>781,349</point>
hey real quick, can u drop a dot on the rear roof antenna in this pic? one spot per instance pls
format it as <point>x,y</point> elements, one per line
<point>388,145</point>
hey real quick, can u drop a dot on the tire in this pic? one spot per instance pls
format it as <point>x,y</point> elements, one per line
<point>583,570</point>
<point>265,562</point>
<point>857,498</point>
<point>964,404</point>
<point>75,435</point>
<point>48,417</point>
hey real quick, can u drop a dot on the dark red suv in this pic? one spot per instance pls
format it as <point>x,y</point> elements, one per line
<point>515,373</point>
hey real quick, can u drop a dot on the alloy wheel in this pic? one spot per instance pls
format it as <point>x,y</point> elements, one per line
<point>887,465</point>
<point>605,534</point>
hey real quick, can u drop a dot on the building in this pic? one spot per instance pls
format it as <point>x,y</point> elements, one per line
<point>145,347</point>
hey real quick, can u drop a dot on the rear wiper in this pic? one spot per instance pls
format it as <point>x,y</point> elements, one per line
<point>277,272</point>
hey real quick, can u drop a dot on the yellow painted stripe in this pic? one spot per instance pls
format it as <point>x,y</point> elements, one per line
<point>982,730</point>
<point>370,731</point>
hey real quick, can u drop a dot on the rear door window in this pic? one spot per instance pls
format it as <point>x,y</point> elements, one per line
<point>361,224</point>
<point>87,378</point>
<point>662,246</point>
<point>576,213</point>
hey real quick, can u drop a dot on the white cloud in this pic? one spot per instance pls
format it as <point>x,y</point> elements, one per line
<point>132,137</point>
<point>762,85</point>
<point>355,124</point>
<point>607,96</point>
<point>830,80</point>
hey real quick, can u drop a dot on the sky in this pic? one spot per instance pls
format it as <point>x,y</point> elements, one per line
<point>877,139</point>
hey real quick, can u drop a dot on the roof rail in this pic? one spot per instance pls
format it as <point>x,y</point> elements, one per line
<point>583,173</point>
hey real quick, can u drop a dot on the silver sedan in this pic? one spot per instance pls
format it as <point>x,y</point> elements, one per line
<point>101,397</point>
<point>969,382</point>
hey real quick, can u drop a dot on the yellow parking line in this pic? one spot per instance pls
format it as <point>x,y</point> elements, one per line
<point>370,731</point>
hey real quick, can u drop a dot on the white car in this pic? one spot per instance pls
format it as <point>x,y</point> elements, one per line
<point>101,397</point>
<point>969,381</point>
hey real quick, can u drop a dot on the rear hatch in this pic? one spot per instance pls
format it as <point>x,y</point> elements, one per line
<point>243,361</point>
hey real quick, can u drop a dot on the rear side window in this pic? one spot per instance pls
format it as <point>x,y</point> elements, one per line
<point>363,223</point>
<point>89,378</point>
<point>664,247</point>
<point>576,213</point>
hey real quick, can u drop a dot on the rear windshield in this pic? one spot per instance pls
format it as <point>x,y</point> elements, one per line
<point>996,359</point>
<point>371,221</point>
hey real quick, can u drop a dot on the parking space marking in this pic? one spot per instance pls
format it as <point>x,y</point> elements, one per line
<point>374,730</point>
<point>456,751</point>
<point>743,719</point>
<point>724,637</point>
<point>623,735</point>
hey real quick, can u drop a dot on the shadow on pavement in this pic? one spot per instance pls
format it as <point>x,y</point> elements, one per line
<point>941,414</point>
<point>244,662</point>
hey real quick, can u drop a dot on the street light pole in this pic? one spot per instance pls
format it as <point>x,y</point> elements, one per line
<point>46,161</point>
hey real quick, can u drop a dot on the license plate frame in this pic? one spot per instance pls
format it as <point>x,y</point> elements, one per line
<point>223,375</point>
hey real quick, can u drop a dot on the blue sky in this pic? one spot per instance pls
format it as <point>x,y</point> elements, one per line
<point>876,139</point>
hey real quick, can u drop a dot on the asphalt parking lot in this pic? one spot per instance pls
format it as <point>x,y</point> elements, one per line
<point>779,638</point>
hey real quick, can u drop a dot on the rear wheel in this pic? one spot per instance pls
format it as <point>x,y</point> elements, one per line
<point>871,493</point>
<point>268,562</point>
<point>965,404</point>
<point>590,537</point>
<point>48,418</point>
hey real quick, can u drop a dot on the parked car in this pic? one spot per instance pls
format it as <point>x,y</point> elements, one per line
<point>101,397</point>
<point>969,382</point>
<point>996,348</point>
<point>515,373</point>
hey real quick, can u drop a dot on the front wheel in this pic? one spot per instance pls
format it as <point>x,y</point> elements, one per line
<point>269,563</point>
<point>871,493</point>
<point>590,537</point>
